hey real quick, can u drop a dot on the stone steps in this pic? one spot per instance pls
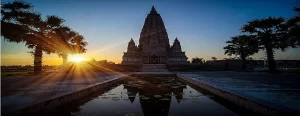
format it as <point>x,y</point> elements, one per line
<point>154,68</point>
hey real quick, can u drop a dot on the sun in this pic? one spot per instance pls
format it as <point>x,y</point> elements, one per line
<point>77,59</point>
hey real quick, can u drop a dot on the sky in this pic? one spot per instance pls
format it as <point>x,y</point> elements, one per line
<point>202,26</point>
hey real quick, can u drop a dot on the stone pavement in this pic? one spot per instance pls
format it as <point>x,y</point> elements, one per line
<point>18,92</point>
<point>278,89</point>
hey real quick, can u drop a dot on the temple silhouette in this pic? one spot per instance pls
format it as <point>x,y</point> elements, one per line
<point>154,46</point>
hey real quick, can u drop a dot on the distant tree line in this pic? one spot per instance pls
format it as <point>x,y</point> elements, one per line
<point>198,60</point>
<point>21,24</point>
<point>102,61</point>
<point>266,34</point>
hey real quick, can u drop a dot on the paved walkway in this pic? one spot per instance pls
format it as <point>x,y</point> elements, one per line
<point>279,89</point>
<point>21,91</point>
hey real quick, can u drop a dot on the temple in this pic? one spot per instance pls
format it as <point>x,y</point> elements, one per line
<point>154,46</point>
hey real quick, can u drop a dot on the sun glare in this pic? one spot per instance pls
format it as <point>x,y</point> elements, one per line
<point>77,59</point>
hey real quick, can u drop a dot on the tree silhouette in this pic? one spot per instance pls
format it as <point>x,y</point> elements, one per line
<point>294,29</point>
<point>63,36</point>
<point>271,33</point>
<point>78,44</point>
<point>242,46</point>
<point>214,58</point>
<point>197,60</point>
<point>93,60</point>
<point>68,42</point>
<point>40,40</point>
<point>30,28</point>
<point>13,26</point>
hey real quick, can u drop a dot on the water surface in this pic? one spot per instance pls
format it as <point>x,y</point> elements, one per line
<point>148,96</point>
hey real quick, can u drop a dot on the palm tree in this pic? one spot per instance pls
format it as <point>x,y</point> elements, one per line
<point>31,29</point>
<point>41,40</point>
<point>78,44</point>
<point>68,42</point>
<point>63,36</point>
<point>294,29</point>
<point>13,28</point>
<point>271,33</point>
<point>242,46</point>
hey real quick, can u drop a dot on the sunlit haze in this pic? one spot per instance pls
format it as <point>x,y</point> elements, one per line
<point>77,59</point>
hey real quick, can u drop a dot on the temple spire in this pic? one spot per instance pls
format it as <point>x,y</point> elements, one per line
<point>131,46</point>
<point>176,46</point>
<point>153,11</point>
<point>131,40</point>
<point>154,40</point>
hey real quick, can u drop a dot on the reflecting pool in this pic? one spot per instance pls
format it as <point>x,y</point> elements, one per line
<point>137,96</point>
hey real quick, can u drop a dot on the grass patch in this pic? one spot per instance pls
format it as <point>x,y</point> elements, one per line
<point>15,73</point>
<point>290,71</point>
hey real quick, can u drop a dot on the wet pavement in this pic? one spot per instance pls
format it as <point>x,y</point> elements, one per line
<point>278,89</point>
<point>22,94</point>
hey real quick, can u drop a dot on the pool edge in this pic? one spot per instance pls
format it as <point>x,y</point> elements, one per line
<point>252,104</point>
<point>65,98</point>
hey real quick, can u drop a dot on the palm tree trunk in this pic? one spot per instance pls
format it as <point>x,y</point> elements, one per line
<point>243,62</point>
<point>65,58</point>
<point>38,54</point>
<point>271,61</point>
<point>243,58</point>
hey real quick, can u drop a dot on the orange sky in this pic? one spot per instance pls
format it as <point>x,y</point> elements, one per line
<point>18,55</point>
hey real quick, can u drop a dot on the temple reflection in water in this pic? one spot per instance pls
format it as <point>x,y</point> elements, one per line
<point>155,94</point>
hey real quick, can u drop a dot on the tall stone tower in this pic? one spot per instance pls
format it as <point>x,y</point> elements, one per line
<point>154,46</point>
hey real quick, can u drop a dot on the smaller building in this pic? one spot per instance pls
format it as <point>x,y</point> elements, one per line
<point>176,56</point>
